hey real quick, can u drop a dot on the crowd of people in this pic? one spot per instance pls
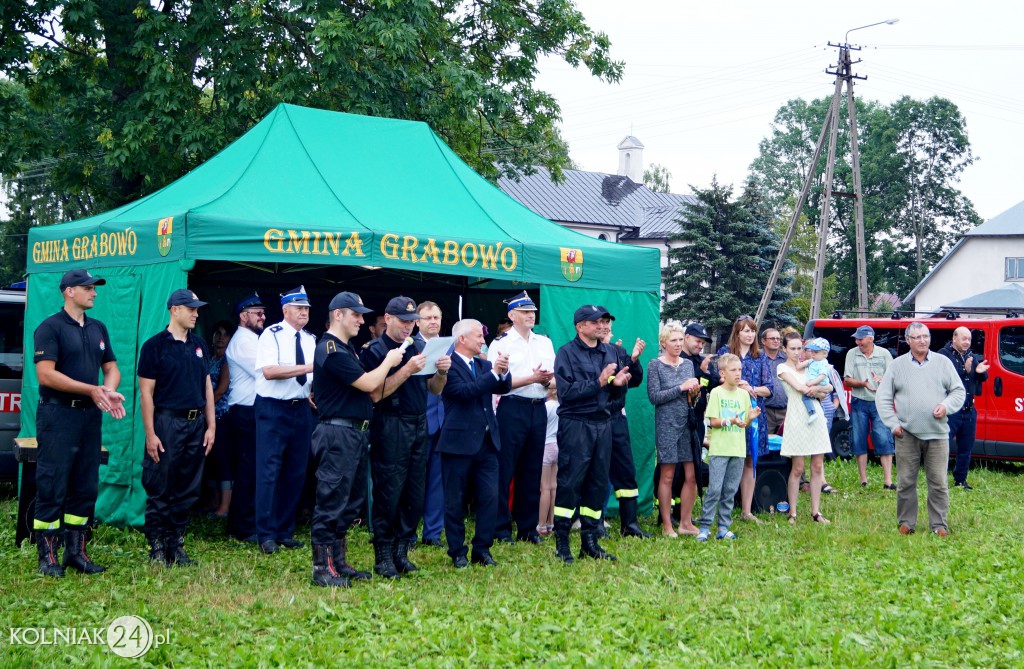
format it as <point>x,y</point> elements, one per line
<point>528,438</point>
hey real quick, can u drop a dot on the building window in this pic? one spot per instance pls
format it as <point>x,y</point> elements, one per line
<point>1015,269</point>
<point>603,236</point>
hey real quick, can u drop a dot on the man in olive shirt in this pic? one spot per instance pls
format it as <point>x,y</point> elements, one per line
<point>864,369</point>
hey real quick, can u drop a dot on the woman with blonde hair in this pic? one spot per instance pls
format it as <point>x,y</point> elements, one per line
<point>757,381</point>
<point>670,378</point>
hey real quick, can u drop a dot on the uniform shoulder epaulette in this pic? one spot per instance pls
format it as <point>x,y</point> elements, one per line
<point>367,344</point>
<point>307,332</point>
<point>276,328</point>
<point>500,337</point>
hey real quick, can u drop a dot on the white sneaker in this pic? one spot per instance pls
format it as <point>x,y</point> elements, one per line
<point>813,417</point>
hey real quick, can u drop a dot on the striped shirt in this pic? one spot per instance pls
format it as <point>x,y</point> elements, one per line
<point>910,391</point>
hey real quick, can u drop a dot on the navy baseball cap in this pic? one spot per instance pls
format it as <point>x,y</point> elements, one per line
<point>80,277</point>
<point>296,297</point>
<point>184,298</point>
<point>590,312</point>
<point>348,300</point>
<point>864,331</point>
<point>252,302</point>
<point>522,302</point>
<point>697,330</point>
<point>403,308</point>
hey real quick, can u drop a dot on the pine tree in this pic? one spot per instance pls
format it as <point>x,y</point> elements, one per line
<point>719,272</point>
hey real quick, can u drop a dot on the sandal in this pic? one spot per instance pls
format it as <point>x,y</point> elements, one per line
<point>792,519</point>
<point>827,489</point>
<point>818,518</point>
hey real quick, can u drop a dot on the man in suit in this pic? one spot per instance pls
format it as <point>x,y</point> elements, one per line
<point>470,442</point>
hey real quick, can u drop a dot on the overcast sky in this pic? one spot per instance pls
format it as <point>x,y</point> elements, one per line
<point>704,80</point>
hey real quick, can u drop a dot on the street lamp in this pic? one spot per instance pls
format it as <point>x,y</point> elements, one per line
<point>846,40</point>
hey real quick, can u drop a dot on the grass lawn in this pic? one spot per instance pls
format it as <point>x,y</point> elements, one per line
<point>853,594</point>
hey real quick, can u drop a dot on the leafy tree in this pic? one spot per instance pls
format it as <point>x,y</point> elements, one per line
<point>657,177</point>
<point>112,100</point>
<point>912,154</point>
<point>727,251</point>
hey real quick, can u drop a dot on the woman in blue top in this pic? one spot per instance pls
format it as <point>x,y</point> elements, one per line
<point>757,380</point>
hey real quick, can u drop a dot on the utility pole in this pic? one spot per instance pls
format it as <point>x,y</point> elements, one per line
<point>844,75</point>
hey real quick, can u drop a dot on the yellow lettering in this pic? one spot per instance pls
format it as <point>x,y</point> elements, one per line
<point>298,241</point>
<point>104,247</point>
<point>316,244</point>
<point>465,261</point>
<point>36,253</point>
<point>92,247</point>
<point>133,241</point>
<point>273,240</point>
<point>353,243</point>
<point>389,246</point>
<point>508,264</point>
<point>451,253</point>
<point>430,250</point>
<point>409,244</point>
<point>489,256</point>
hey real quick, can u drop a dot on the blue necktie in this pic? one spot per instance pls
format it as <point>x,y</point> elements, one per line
<point>472,368</point>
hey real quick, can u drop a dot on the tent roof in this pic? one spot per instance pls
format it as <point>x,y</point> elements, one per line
<point>312,186</point>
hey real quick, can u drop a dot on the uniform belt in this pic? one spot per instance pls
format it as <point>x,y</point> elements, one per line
<point>597,417</point>
<point>84,403</point>
<point>187,414</point>
<point>531,400</point>
<point>293,402</point>
<point>361,425</point>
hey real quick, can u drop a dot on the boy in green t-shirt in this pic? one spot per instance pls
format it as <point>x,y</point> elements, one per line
<point>730,412</point>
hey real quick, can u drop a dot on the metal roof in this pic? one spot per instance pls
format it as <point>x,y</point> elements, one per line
<point>1009,296</point>
<point>598,198</point>
<point>1010,222</point>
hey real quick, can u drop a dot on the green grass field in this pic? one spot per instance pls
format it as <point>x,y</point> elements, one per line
<point>853,594</point>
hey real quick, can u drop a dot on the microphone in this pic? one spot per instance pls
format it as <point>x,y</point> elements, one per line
<point>405,344</point>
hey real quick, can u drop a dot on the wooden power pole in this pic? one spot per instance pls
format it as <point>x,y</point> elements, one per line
<point>829,127</point>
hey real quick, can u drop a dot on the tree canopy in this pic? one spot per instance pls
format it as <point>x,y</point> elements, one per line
<point>103,102</point>
<point>912,155</point>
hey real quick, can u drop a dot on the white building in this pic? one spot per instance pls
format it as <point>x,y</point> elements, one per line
<point>985,259</point>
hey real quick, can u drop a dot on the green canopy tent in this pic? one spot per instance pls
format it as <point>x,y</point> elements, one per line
<point>317,190</point>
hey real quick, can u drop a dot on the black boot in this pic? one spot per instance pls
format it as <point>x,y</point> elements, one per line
<point>591,549</point>
<point>174,546</point>
<point>47,546</point>
<point>627,516</point>
<point>562,550</point>
<point>157,551</point>
<point>74,552</point>
<point>401,557</point>
<point>338,553</point>
<point>383,563</point>
<point>324,573</point>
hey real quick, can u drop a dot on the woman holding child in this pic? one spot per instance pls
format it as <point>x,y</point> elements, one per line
<point>802,437</point>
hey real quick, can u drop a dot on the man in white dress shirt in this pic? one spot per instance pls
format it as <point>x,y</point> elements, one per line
<point>522,419</point>
<point>284,421</point>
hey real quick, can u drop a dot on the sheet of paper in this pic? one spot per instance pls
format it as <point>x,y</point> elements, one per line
<point>434,349</point>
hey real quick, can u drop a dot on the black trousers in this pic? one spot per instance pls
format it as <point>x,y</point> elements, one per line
<point>398,467</point>
<point>457,471</point>
<point>241,424</point>
<point>522,425</point>
<point>172,485</point>
<point>584,452</point>
<point>68,464</point>
<point>339,458</point>
<point>621,470</point>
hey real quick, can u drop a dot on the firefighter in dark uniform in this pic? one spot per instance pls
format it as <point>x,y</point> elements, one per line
<point>70,351</point>
<point>398,438</point>
<point>589,381</point>
<point>342,389</point>
<point>178,416</point>
<point>622,470</point>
